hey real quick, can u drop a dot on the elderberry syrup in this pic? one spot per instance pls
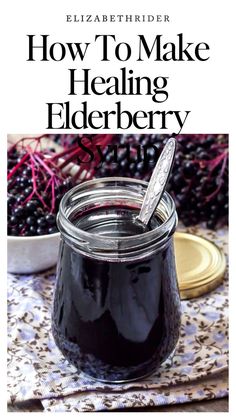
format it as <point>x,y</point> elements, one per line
<point>116,313</point>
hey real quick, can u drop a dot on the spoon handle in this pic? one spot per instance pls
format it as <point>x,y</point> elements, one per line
<point>157,182</point>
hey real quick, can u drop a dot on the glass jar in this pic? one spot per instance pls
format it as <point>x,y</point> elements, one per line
<point>116,313</point>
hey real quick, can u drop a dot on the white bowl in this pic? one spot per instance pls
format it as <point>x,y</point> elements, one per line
<point>33,253</point>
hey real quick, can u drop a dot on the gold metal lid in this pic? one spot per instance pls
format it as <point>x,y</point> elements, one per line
<point>200,265</point>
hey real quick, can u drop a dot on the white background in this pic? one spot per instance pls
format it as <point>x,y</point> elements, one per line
<point>205,88</point>
<point>202,87</point>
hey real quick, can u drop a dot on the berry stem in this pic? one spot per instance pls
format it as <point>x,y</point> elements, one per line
<point>19,164</point>
<point>53,194</point>
<point>46,167</point>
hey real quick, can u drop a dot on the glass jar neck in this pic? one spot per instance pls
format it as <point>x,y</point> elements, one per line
<point>113,193</point>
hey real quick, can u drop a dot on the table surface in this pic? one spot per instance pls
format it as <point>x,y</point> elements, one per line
<point>219,405</point>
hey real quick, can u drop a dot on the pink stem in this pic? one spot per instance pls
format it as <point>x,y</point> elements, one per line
<point>37,139</point>
<point>48,184</point>
<point>53,195</point>
<point>34,181</point>
<point>36,156</point>
<point>13,171</point>
<point>63,153</point>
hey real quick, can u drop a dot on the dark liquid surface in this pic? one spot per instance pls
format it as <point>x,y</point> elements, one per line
<point>115,222</point>
<point>116,320</point>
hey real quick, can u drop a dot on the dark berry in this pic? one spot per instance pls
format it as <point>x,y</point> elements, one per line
<point>140,167</point>
<point>42,222</point>
<point>220,198</point>
<point>20,198</point>
<point>13,191</point>
<point>203,156</point>
<point>11,200</point>
<point>31,206</point>
<point>211,224</point>
<point>28,190</point>
<point>13,220</point>
<point>189,169</point>
<point>132,167</point>
<point>50,219</point>
<point>33,230</point>
<point>190,146</point>
<point>31,220</point>
<point>19,211</point>
<point>27,172</point>
<point>18,179</point>
<point>52,230</point>
<point>151,153</point>
<point>178,180</point>
<point>41,231</point>
<point>24,181</point>
<point>209,140</point>
<point>124,165</point>
<point>109,158</point>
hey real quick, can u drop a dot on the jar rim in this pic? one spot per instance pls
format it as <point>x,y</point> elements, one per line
<point>65,224</point>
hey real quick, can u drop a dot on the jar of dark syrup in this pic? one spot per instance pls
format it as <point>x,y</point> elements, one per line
<point>116,313</point>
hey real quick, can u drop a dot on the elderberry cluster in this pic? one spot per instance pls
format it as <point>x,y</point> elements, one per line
<point>199,180</point>
<point>30,214</point>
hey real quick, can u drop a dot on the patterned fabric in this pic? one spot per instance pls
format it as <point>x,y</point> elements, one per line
<point>37,370</point>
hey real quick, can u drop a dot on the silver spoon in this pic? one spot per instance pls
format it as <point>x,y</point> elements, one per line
<point>158,181</point>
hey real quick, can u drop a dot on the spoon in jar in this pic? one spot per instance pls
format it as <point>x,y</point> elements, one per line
<point>158,182</point>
